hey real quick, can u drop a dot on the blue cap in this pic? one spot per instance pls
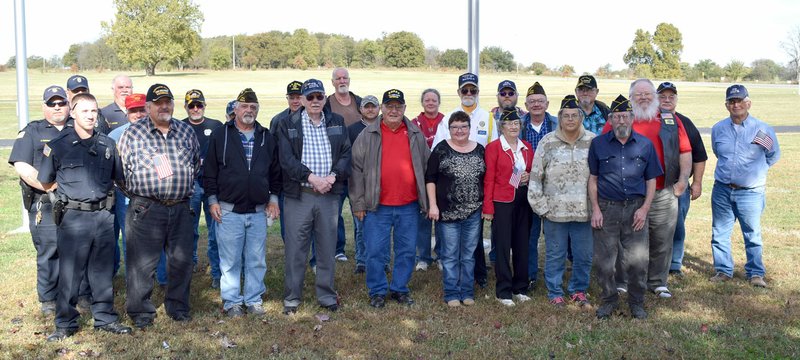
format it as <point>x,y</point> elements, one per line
<point>312,86</point>
<point>229,108</point>
<point>506,84</point>
<point>53,91</point>
<point>467,78</point>
<point>77,82</point>
<point>736,92</point>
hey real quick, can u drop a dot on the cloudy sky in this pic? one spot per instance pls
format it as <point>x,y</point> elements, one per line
<point>585,34</point>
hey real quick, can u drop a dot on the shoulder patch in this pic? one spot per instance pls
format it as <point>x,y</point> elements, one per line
<point>46,150</point>
<point>20,134</point>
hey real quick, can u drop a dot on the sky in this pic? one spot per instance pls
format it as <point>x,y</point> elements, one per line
<point>584,34</point>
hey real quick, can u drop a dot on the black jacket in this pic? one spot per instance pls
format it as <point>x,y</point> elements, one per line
<point>290,138</point>
<point>225,170</point>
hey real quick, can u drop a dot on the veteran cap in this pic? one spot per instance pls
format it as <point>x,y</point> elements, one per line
<point>536,89</point>
<point>509,115</point>
<point>569,102</point>
<point>393,95</point>
<point>247,96</point>
<point>620,104</point>
<point>586,81</point>
<point>194,95</point>
<point>294,87</point>
<point>312,86</point>
<point>158,91</point>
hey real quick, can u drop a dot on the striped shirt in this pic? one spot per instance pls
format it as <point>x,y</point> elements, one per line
<point>316,147</point>
<point>158,166</point>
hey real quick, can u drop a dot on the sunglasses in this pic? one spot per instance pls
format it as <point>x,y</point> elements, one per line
<point>196,106</point>
<point>465,91</point>
<point>507,93</point>
<point>56,103</point>
<point>311,97</point>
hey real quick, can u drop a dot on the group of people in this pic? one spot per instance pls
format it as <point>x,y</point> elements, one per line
<point>609,186</point>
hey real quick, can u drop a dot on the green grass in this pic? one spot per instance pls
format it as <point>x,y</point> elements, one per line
<point>703,102</point>
<point>743,322</point>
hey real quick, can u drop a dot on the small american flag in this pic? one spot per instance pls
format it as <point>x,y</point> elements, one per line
<point>515,177</point>
<point>163,168</point>
<point>763,139</point>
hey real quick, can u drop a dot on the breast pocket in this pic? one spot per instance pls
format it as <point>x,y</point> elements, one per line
<point>607,164</point>
<point>72,170</point>
<point>145,158</point>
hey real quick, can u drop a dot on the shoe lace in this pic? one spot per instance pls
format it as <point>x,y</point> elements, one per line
<point>578,296</point>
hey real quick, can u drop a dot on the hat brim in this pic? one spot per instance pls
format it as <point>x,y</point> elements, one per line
<point>468,83</point>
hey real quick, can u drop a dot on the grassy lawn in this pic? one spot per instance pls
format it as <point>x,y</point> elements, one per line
<point>730,321</point>
<point>703,102</point>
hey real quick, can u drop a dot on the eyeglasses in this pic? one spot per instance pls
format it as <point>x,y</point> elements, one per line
<point>571,116</point>
<point>667,97</point>
<point>511,123</point>
<point>311,97</point>
<point>394,107</point>
<point>506,93</point>
<point>56,103</point>
<point>459,128</point>
<point>643,94</point>
<point>465,91</point>
<point>196,106</point>
<point>536,102</point>
<point>620,116</point>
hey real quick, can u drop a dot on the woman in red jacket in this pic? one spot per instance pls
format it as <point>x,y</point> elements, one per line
<point>505,202</point>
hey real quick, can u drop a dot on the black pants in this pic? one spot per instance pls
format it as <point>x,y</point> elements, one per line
<point>480,272</point>
<point>85,245</point>
<point>150,228</point>
<point>45,242</point>
<point>511,230</point>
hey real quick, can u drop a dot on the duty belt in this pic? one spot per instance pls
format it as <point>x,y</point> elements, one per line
<point>86,206</point>
<point>165,202</point>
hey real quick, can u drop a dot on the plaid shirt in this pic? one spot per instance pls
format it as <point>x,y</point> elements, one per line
<point>531,135</point>
<point>247,144</point>
<point>142,142</point>
<point>594,121</point>
<point>316,147</point>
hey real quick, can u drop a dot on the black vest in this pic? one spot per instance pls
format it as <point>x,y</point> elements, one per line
<point>669,140</point>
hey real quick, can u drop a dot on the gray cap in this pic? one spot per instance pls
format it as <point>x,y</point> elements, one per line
<point>370,99</point>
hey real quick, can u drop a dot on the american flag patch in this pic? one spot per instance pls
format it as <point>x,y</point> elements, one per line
<point>763,139</point>
<point>163,168</point>
<point>516,176</point>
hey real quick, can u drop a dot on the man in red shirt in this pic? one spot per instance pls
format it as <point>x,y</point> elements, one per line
<point>387,190</point>
<point>675,155</point>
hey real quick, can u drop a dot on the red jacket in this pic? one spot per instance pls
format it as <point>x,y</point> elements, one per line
<point>499,165</point>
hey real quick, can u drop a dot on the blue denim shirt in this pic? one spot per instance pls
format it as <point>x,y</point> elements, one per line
<point>594,121</point>
<point>623,169</point>
<point>740,160</point>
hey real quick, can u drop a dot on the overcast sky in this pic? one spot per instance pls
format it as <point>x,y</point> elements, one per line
<point>585,34</point>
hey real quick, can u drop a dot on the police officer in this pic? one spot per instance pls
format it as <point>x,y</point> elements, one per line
<point>85,165</point>
<point>77,84</point>
<point>26,157</point>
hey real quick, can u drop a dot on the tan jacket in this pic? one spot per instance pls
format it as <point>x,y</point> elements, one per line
<point>365,179</point>
<point>558,188</point>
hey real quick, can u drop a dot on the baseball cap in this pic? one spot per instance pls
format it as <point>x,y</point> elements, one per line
<point>370,99</point>
<point>158,91</point>
<point>294,87</point>
<point>194,95</point>
<point>134,101</point>
<point>77,82</point>
<point>667,86</point>
<point>393,95</point>
<point>312,86</point>
<point>506,84</point>
<point>587,81</point>
<point>736,91</point>
<point>229,108</point>
<point>620,104</point>
<point>53,91</point>
<point>467,78</point>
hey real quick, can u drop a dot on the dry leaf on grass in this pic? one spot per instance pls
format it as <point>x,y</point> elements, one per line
<point>227,343</point>
<point>317,327</point>
<point>165,345</point>
<point>322,317</point>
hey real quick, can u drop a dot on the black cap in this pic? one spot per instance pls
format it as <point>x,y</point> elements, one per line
<point>194,95</point>
<point>667,86</point>
<point>393,95</point>
<point>294,87</point>
<point>620,104</point>
<point>158,91</point>
<point>587,81</point>
<point>569,102</point>
<point>247,96</point>
<point>536,89</point>
<point>509,115</point>
<point>77,82</point>
<point>467,78</point>
<point>506,84</point>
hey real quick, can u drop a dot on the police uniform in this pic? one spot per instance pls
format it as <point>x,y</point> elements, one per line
<point>85,170</point>
<point>28,149</point>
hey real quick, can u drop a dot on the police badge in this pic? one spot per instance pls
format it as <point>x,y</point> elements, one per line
<point>108,153</point>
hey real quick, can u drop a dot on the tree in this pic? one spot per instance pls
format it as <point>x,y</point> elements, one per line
<point>735,70</point>
<point>368,53</point>
<point>154,31</point>
<point>71,57</point>
<point>303,49</point>
<point>641,51</point>
<point>792,48</point>
<point>566,70</point>
<point>220,59</point>
<point>12,62</point>
<point>432,57</point>
<point>404,49</point>
<point>454,59</point>
<point>668,43</point>
<point>269,48</point>
<point>603,71</point>
<point>764,70</point>
<point>709,70</point>
<point>539,68</point>
<point>497,59</point>
<point>336,50</point>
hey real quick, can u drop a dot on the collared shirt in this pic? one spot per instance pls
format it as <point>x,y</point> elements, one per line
<point>114,115</point>
<point>519,159</point>
<point>622,170</point>
<point>316,147</point>
<point>740,159</point>
<point>497,113</point>
<point>158,166</point>
<point>482,128</point>
<point>117,133</point>
<point>398,180</point>
<point>594,121</point>
<point>531,135</point>
<point>29,145</point>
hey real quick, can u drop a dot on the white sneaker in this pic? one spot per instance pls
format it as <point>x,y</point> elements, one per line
<point>439,264</point>
<point>421,266</point>
<point>662,292</point>
<point>341,257</point>
<point>506,302</point>
<point>521,297</point>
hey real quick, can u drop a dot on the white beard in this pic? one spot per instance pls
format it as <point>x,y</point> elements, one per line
<point>468,101</point>
<point>247,119</point>
<point>647,114</point>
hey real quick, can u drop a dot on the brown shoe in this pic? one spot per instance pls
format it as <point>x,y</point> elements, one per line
<point>719,277</point>
<point>758,281</point>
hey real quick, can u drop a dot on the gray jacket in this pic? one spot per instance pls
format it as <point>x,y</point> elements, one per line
<point>365,179</point>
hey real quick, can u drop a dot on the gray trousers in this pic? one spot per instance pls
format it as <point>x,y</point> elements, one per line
<point>316,213</point>
<point>620,250</point>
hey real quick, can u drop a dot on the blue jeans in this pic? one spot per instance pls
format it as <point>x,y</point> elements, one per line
<point>378,230</point>
<point>340,235</point>
<point>533,248</point>
<point>458,239</point>
<point>242,234</point>
<point>727,206</point>
<point>199,198</point>
<point>424,240</point>
<point>680,231</point>
<point>558,236</point>
<point>120,209</point>
<point>358,235</point>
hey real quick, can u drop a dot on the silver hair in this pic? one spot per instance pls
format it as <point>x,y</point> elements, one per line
<point>636,82</point>
<point>333,73</point>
